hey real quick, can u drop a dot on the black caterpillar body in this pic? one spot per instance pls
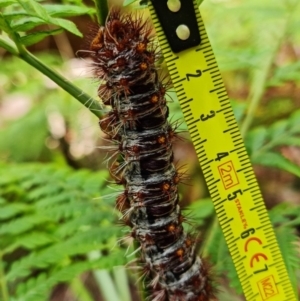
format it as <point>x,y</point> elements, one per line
<point>124,59</point>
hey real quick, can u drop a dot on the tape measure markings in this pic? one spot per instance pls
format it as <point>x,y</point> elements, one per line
<point>251,216</point>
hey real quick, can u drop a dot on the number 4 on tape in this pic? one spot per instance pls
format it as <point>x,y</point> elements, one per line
<point>222,155</point>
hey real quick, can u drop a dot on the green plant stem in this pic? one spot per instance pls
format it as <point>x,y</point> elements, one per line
<point>3,284</point>
<point>106,285</point>
<point>82,97</point>
<point>102,11</point>
<point>104,280</point>
<point>260,76</point>
<point>79,290</point>
<point>256,94</point>
<point>121,282</point>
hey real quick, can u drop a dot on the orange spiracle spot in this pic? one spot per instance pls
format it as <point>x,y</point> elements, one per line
<point>154,98</point>
<point>166,186</point>
<point>141,47</point>
<point>171,228</point>
<point>161,139</point>
<point>180,253</point>
<point>143,66</point>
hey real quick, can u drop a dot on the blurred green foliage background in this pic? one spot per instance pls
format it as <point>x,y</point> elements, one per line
<point>58,226</point>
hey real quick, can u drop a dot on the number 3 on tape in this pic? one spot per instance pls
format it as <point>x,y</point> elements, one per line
<point>222,155</point>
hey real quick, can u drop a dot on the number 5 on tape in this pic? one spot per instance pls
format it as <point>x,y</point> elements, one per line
<point>222,155</point>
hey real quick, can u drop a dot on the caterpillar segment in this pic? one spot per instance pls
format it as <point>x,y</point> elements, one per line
<point>125,58</point>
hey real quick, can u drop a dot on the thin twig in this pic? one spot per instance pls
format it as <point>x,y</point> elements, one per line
<point>260,76</point>
<point>89,102</point>
<point>102,11</point>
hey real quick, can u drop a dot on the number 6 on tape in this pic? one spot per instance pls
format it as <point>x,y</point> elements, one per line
<point>221,152</point>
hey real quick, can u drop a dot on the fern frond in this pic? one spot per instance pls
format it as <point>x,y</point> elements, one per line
<point>36,289</point>
<point>51,219</point>
<point>262,141</point>
<point>286,220</point>
<point>287,240</point>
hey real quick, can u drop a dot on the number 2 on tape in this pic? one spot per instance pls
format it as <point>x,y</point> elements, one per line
<point>222,155</point>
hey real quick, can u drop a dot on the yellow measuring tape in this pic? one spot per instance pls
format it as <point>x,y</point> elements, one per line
<point>227,169</point>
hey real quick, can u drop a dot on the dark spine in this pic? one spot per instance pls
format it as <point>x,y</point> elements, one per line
<point>124,59</point>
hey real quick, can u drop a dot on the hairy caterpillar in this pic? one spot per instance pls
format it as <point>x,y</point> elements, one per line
<point>124,58</point>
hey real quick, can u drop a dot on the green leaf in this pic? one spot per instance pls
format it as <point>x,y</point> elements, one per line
<point>33,38</point>
<point>3,24</point>
<point>144,2</point>
<point>22,224</point>
<point>255,139</point>
<point>33,8</point>
<point>80,243</point>
<point>277,129</point>
<point>8,44</point>
<point>7,3</point>
<point>66,24</point>
<point>239,109</point>
<point>287,140</point>
<point>30,241</point>
<point>57,10</point>
<point>25,24</point>
<point>294,122</point>
<point>286,73</point>
<point>38,201</point>
<point>11,210</point>
<point>272,159</point>
<point>287,240</point>
<point>201,210</point>
<point>37,288</point>
<point>12,15</point>
<point>285,213</point>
